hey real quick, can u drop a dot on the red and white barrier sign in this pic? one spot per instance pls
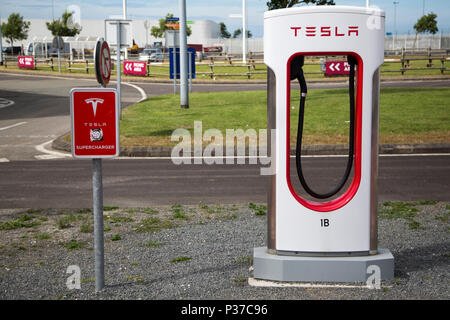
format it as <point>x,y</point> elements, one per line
<point>95,123</point>
<point>334,68</point>
<point>136,68</point>
<point>25,62</point>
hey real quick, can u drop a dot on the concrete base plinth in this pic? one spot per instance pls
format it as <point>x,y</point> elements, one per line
<point>321,269</point>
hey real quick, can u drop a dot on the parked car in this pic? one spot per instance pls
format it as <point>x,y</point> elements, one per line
<point>152,54</point>
<point>15,50</point>
<point>145,54</point>
<point>154,57</point>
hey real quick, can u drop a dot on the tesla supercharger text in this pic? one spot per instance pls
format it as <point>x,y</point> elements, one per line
<point>344,225</point>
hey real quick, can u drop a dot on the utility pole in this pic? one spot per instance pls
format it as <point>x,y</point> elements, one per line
<point>395,23</point>
<point>244,31</point>
<point>124,4</point>
<point>184,85</point>
<point>1,49</point>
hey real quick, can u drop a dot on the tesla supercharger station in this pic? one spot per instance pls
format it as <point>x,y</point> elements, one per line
<point>330,236</point>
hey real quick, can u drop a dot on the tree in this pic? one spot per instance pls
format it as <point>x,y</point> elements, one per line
<point>158,32</point>
<point>64,27</point>
<point>15,29</point>
<point>279,4</point>
<point>238,32</point>
<point>426,24</point>
<point>224,32</point>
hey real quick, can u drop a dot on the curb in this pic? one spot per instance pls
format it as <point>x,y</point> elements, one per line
<point>311,150</point>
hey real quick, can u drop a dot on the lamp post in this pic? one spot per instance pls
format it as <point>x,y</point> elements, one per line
<point>395,24</point>
<point>244,31</point>
<point>184,94</point>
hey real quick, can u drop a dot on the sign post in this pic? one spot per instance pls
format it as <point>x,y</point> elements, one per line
<point>58,42</point>
<point>95,135</point>
<point>121,40</point>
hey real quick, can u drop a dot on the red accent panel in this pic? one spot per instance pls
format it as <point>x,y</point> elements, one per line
<point>353,188</point>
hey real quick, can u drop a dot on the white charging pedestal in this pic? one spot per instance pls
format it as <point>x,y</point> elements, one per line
<point>333,240</point>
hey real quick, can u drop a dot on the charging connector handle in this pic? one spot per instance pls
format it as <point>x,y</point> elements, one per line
<point>297,65</point>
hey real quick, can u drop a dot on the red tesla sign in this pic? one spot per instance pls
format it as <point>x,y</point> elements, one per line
<point>334,68</point>
<point>95,122</point>
<point>135,68</point>
<point>25,62</point>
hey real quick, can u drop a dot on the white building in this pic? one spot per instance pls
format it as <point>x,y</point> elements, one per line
<point>202,30</point>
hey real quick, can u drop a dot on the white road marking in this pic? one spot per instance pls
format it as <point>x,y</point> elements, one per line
<point>49,154</point>
<point>141,91</point>
<point>4,160</point>
<point>13,125</point>
<point>5,103</point>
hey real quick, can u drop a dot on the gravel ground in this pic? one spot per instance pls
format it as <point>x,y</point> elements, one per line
<point>200,252</point>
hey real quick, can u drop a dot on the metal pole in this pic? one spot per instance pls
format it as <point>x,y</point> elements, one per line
<point>395,24</point>
<point>244,31</point>
<point>184,93</point>
<point>118,67</point>
<point>174,57</point>
<point>190,70</point>
<point>97,193</point>
<point>1,48</point>
<point>125,18</point>
<point>59,54</point>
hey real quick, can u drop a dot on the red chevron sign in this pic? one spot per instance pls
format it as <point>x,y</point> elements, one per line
<point>334,68</point>
<point>25,62</point>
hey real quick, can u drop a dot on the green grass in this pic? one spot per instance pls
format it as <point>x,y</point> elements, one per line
<point>21,222</point>
<point>398,210</point>
<point>410,115</point>
<point>178,212</point>
<point>258,210</point>
<point>73,245</point>
<point>116,237</point>
<point>154,224</point>
<point>180,259</point>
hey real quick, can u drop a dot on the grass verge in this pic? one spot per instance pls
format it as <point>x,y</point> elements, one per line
<point>412,115</point>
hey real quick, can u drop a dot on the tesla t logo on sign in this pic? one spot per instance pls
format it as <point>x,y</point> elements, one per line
<point>95,123</point>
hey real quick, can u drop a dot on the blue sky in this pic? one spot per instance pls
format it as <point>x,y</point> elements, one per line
<point>408,11</point>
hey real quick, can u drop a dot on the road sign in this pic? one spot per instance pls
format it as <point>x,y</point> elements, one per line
<point>137,68</point>
<point>95,123</point>
<point>102,62</point>
<point>173,25</point>
<point>191,52</point>
<point>334,68</point>
<point>25,62</point>
<point>173,19</point>
<point>126,32</point>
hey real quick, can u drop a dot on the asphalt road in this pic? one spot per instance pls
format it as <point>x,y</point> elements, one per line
<point>40,107</point>
<point>148,182</point>
<point>39,112</point>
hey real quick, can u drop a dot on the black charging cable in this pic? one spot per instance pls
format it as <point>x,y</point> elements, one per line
<point>297,73</point>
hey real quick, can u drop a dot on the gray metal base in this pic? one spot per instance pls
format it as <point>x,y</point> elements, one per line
<point>320,269</point>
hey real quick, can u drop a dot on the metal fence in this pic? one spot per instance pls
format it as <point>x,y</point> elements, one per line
<point>226,65</point>
<point>394,42</point>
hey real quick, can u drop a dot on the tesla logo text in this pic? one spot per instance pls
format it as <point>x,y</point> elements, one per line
<point>326,31</point>
<point>94,102</point>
